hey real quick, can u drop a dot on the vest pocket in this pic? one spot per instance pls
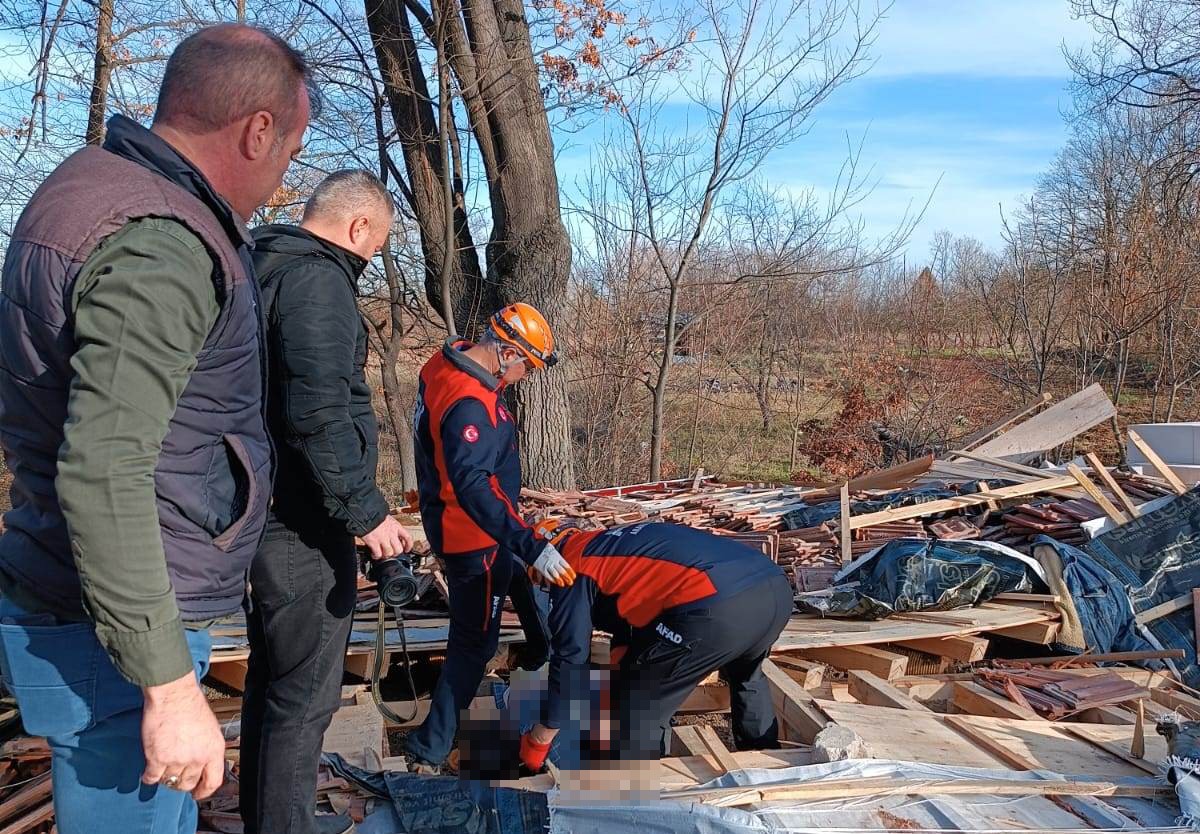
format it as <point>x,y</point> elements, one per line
<point>232,490</point>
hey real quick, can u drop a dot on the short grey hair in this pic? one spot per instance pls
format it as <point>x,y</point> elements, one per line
<point>345,193</point>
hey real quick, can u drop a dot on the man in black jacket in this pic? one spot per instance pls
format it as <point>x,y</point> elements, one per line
<point>304,581</point>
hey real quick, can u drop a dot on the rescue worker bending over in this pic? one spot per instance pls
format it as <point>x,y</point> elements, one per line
<point>469,481</point>
<point>680,603</point>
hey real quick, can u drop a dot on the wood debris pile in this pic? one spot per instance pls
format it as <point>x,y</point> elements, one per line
<point>750,513</point>
<point>27,806</point>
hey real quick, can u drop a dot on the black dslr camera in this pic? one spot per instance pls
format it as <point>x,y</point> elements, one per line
<point>397,584</point>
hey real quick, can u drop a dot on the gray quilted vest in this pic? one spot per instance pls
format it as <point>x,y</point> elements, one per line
<point>213,478</point>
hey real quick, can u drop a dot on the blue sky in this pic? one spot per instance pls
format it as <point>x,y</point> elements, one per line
<point>970,92</point>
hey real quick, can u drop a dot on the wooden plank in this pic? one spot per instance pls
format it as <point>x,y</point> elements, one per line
<point>817,790</point>
<point>973,471</point>
<point>1053,427</point>
<point>918,736</point>
<point>688,736</point>
<point>718,750</point>
<point>962,648</point>
<point>1093,491</point>
<point>807,673</point>
<point>35,793</point>
<point>1108,657</point>
<point>1000,463</point>
<point>231,673</point>
<point>1164,471</point>
<point>705,699</point>
<point>847,552</point>
<point>1185,705</point>
<point>1164,608</point>
<point>1103,715</point>
<point>802,632</point>
<point>959,502</point>
<point>893,476</point>
<point>991,431</point>
<point>885,664</point>
<point>1041,633</point>
<point>973,699</point>
<point>793,704</point>
<point>871,689</point>
<point>357,734</point>
<point>1032,745</point>
<point>689,771</point>
<point>31,820</point>
<point>1001,751</point>
<point>1116,741</point>
<point>360,664</point>
<point>1110,482</point>
<point>1138,748</point>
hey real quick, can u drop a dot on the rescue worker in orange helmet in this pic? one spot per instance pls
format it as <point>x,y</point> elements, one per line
<point>469,482</point>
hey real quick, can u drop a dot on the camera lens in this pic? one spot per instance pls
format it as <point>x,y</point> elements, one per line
<point>397,584</point>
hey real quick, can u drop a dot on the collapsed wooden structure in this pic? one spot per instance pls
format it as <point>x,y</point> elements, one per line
<point>923,686</point>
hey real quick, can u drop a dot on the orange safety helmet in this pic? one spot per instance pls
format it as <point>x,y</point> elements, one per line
<point>523,327</point>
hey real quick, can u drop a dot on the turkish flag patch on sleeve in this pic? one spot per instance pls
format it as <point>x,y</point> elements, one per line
<point>470,434</point>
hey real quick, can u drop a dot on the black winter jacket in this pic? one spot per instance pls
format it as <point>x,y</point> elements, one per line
<point>318,401</point>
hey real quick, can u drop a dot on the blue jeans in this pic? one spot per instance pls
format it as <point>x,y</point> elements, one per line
<point>71,693</point>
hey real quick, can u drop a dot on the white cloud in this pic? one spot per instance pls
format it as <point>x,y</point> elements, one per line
<point>998,38</point>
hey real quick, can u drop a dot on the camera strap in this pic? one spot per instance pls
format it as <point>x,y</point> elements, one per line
<point>381,658</point>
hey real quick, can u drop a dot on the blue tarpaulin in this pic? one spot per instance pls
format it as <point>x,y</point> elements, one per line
<point>1156,558</point>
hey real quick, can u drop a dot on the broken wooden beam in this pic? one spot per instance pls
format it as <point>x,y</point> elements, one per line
<point>966,649</point>
<point>973,699</point>
<point>885,664</point>
<point>959,502</point>
<point>794,705</point>
<point>1164,471</point>
<point>1040,633</point>
<point>1089,486</point>
<point>807,673</point>
<point>1109,481</point>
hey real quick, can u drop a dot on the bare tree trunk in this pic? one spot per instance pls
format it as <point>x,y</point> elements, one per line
<point>408,99</point>
<point>387,342</point>
<point>699,388</point>
<point>398,415</point>
<point>101,74</point>
<point>659,403</point>
<point>529,253</point>
<point>448,242</point>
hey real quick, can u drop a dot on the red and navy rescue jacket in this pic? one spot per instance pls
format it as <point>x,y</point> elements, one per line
<point>627,577</point>
<point>468,468</point>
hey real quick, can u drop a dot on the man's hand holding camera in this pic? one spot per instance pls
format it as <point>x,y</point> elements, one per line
<point>388,540</point>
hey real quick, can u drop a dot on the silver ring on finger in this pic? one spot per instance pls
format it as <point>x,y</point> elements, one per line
<point>171,781</point>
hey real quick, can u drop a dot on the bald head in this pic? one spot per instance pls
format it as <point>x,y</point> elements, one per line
<point>353,209</point>
<point>222,74</point>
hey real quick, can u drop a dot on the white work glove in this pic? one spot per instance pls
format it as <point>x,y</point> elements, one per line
<point>554,567</point>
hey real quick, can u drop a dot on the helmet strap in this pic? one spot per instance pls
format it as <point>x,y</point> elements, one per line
<point>504,366</point>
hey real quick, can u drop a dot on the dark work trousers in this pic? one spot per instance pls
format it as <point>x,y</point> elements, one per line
<point>303,590</point>
<point>667,659</point>
<point>478,583</point>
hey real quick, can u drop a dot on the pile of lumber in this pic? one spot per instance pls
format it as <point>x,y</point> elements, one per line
<point>26,803</point>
